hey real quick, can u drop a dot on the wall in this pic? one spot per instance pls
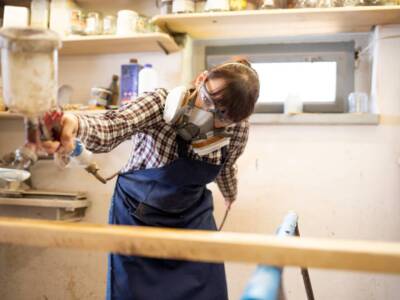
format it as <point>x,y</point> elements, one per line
<point>343,181</point>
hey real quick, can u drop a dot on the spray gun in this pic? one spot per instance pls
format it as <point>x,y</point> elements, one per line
<point>81,157</point>
<point>29,69</point>
<point>29,64</point>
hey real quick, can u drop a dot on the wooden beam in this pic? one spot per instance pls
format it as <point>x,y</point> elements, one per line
<point>205,245</point>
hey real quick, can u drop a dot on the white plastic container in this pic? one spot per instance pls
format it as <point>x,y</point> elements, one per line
<point>126,22</point>
<point>148,79</point>
<point>29,67</point>
<point>60,16</point>
<point>293,105</point>
<point>358,102</point>
<point>40,13</point>
<point>15,16</point>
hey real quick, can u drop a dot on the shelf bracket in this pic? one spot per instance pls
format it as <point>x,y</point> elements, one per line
<point>163,48</point>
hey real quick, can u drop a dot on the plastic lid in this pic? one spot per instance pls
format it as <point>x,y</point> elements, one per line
<point>29,39</point>
<point>148,65</point>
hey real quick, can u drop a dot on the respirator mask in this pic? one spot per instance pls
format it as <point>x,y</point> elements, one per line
<point>194,124</point>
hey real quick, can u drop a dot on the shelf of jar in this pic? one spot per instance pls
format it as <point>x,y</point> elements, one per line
<point>104,44</point>
<point>279,22</point>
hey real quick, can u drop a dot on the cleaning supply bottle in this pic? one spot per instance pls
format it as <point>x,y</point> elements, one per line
<point>148,79</point>
<point>129,81</point>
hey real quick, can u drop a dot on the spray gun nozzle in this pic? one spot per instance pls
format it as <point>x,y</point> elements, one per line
<point>94,170</point>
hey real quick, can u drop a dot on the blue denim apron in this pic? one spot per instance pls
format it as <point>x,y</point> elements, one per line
<point>172,196</point>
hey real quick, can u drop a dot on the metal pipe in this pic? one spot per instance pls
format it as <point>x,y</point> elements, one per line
<point>306,275</point>
<point>266,281</point>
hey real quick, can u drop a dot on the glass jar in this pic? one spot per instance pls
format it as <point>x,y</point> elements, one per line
<point>306,3</point>
<point>268,4</point>
<point>238,4</point>
<point>253,4</point>
<point>183,6</point>
<point>325,3</point>
<point>143,24</point>
<point>200,5</point>
<point>165,6</point>
<point>93,23</point>
<point>77,22</point>
<point>370,2</point>
<point>217,5</point>
<point>109,24</point>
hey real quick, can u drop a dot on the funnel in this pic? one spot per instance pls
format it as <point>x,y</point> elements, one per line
<point>11,175</point>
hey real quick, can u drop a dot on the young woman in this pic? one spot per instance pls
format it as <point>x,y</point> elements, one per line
<point>164,182</point>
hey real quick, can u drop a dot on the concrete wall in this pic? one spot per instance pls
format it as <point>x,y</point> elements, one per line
<point>343,181</point>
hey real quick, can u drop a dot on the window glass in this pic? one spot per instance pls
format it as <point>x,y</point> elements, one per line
<point>309,81</point>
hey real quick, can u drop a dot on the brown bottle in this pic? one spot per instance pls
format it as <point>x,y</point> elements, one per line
<point>114,89</point>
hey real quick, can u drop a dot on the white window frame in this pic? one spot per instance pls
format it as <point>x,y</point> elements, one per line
<point>343,53</point>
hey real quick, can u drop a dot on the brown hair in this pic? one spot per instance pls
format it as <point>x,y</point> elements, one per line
<point>241,90</point>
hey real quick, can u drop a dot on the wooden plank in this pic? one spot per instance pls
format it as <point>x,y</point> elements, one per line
<point>54,203</point>
<point>103,44</point>
<point>279,22</point>
<point>205,245</point>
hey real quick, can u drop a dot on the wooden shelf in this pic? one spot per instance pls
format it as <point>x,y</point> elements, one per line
<point>279,22</point>
<point>14,116</point>
<point>10,116</point>
<point>54,203</point>
<point>103,44</point>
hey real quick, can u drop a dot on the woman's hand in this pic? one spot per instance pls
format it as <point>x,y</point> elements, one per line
<point>69,130</point>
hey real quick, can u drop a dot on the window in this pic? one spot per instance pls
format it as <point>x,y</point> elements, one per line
<point>320,75</point>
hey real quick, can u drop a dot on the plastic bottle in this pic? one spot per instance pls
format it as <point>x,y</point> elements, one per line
<point>129,81</point>
<point>114,89</point>
<point>148,79</point>
<point>80,156</point>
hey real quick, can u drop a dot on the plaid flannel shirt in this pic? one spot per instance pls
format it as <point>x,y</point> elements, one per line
<point>153,141</point>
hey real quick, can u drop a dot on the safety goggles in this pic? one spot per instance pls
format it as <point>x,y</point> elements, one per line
<point>209,105</point>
